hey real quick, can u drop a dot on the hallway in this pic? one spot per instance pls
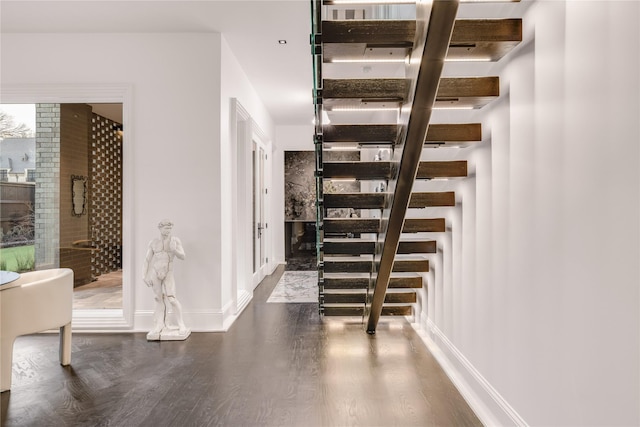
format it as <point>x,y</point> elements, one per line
<point>277,365</point>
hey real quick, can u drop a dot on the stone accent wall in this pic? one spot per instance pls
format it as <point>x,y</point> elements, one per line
<point>106,195</point>
<point>75,131</point>
<point>47,196</point>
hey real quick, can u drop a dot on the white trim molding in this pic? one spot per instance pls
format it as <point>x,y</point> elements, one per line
<point>244,298</point>
<point>490,407</point>
<point>213,320</point>
<point>99,320</point>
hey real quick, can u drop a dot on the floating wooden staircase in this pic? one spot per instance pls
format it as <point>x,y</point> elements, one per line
<point>351,245</point>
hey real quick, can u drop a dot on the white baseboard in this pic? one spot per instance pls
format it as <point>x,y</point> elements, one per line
<point>244,298</point>
<point>99,320</point>
<point>230,316</point>
<point>197,320</point>
<point>490,407</point>
<point>275,264</point>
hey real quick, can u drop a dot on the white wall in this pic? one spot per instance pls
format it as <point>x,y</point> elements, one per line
<point>542,325</point>
<point>178,142</point>
<point>236,85</point>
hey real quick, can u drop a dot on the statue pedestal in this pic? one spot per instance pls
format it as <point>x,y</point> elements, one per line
<point>169,334</point>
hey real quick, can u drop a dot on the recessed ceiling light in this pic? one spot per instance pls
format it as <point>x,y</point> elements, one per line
<point>282,42</point>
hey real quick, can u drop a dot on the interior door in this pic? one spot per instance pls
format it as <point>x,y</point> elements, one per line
<point>259,224</point>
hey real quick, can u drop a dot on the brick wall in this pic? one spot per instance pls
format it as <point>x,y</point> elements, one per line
<point>47,193</point>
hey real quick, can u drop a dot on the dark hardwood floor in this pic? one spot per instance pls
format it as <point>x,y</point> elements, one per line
<point>279,365</point>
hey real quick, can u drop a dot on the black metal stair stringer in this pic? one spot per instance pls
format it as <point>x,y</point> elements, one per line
<point>433,44</point>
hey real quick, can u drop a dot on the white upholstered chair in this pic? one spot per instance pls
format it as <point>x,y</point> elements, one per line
<point>37,301</point>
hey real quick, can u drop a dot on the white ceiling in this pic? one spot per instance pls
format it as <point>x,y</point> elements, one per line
<point>281,74</point>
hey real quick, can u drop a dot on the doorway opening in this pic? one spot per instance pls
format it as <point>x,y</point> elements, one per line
<point>300,210</point>
<point>250,205</point>
<point>102,287</point>
<point>64,174</point>
<point>73,151</point>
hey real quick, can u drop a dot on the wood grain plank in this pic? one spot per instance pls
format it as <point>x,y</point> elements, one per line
<point>450,169</point>
<point>360,133</point>
<point>354,200</point>
<point>369,89</point>
<point>458,132</point>
<point>432,199</point>
<point>373,32</point>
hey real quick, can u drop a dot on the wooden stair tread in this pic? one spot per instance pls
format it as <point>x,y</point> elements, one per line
<point>406,246</point>
<point>361,281</point>
<point>448,169</point>
<point>346,281</point>
<point>351,246</point>
<point>405,280</point>
<point>354,200</point>
<point>471,39</point>
<point>367,39</point>
<point>432,199</point>
<point>388,32</point>
<point>345,298</point>
<point>459,92</point>
<point>383,170</point>
<point>363,266</point>
<point>437,134</point>
<point>366,89</point>
<point>360,170</point>
<point>348,246</point>
<point>360,133</point>
<point>467,92</point>
<point>351,225</point>
<point>376,200</point>
<point>371,225</point>
<point>453,134</point>
<point>400,310</point>
<point>484,38</point>
<point>359,297</point>
<point>424,225</point>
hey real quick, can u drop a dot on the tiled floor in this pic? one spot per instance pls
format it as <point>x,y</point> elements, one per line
<point>105,292</point>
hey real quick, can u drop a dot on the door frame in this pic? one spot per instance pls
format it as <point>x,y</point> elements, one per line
<point>243,131</point>
<point>96,319</point>
<point>258,246</point>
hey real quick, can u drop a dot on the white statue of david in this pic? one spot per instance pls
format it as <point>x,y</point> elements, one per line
<point>158,275</point>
